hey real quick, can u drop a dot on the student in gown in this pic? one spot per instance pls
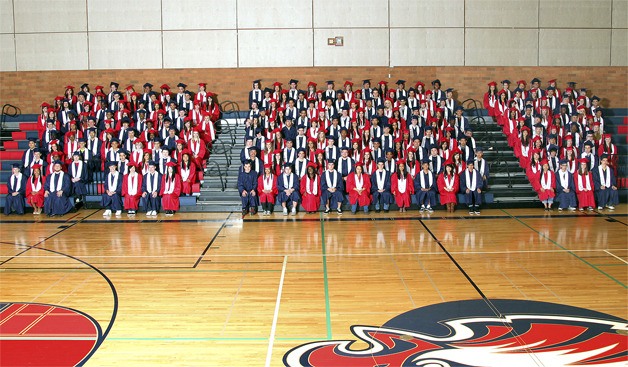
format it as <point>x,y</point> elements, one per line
<point>78,173</point>
<point>16,185</point>
<point>448,186</point>
<point>310,189</point>
<point>380,187</point>
<point>288,190</point>
<point>470,185</point>
<point>34,189</point>
<point>170,189</point>
<point>425,187</point>
<point>132,188</point>
<point>565,188</point>
<point>247,188</point>
<point>267,189</point>
<point>583,180</point>
<point>112,197</point>
<point>332,187</point>
<point>151,187</point>
<point>187,170</point>
<point>605,184</point>
<point>359,189</point>
<point>402,186</point>
<point>547,185</point>
<point>58,189</point>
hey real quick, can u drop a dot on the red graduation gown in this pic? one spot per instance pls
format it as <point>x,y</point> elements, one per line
<point>312,200</point>
<point>35,198</point>
<point>363,199</point>
<point>131,202</point>
<point>585,197</point>
<point>170,201</point>
<point>447,197</point>
<point>404,199</point>
<point>270,196</point>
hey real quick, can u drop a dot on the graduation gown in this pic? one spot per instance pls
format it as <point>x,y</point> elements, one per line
<point>402,189</point>
<point>170,192</point>
<point>333,179</point>
<point>363,198</point>
<point>78,170</point>
<point>35,191</point>
<point>443,185</point>
<point>188,178</point>
<point>381,181</point>
<point>310,193</point>
<point>425,181</point>
<point>150,186</point>
<point>58,205</point>
<point>247,182</point>
<point>608,196</point>
<point>565,181</point>
<point>547,185</point>
<point>584,189</point>
<point>473,184</point>
<point>132,191</point>
<point>267,197</point>
<point>15,185</point>
<point>283,183</point>
<point>113,202</point>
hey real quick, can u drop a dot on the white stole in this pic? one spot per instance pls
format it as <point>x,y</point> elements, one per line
<point>605,178</point>
<point>268,183</point>
<point>564,179</point>
<point>331,182</point>
<point>152,185</point>
<point>546,180</point>
<point>53,188</point>
<point>314,184</point>
<point>449,182</point>
<point>359,181</point>
<point>288,181</point>
<point>430,180</point>
<point>170,184</point>
<point>76,172</point>
<point>18,181</point>
<point>471,180</point>
<point>380,180</point>
<point>132,182</point>
<point>401,184</point>
<point>112,185</point>
<point>587,183</point>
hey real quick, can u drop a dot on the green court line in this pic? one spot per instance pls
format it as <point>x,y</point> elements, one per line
<point>325,279</point>
<point>159,270</point>
<point>206,339</point>
<point>566,250</point>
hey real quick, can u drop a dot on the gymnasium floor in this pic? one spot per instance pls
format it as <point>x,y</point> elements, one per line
<point>211,289</point>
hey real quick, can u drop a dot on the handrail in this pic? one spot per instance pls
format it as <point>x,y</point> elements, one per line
<point>11,111</point>
<point>229,107</point>
<point>500,158</point>
<point>223,184</point>
<point>223,151</point>
<point>229,130</point>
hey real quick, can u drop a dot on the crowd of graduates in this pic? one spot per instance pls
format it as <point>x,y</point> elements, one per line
<point>560,140</point>
<point>150,147</point>
<point>374,145</point>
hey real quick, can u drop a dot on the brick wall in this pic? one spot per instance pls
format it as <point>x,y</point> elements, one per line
<point>28,89</point>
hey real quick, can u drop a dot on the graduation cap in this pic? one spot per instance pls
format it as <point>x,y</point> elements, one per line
<point>563,161</point>
<point>449,90</point>
<point>330,82</point>
<point>550,88</point>
<point>129,87</point>
<point>112,163</point>
<point>505,81</point>
<point>470,161</point>
<point>595,98</point>
<point>165,87</point>
<point>33,139</point>
<point>436,81</point>
<point>171,164</point>
<point>182,85</point>
<point>123,151</point>
<point>589,143</point>
<point>331,161</point>
<point>114,84</point>
<point>147,85</point>
<point>381,160</point>
<point>535,80</point>
<point>583,89</point>
<point>365,81</point>
<point>257,81</point>
<point>311,84</point>
<point>401,81</point>
<point>115,140</point>
<point>294,81</point>
<point>572,84</point>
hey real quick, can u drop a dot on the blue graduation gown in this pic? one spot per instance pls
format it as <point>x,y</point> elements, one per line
<point>247,182</point>
<point>473,197</point>
<point>484,165</point>
<point>425,197</point>
<point>282,197</point>
<point>385,197</point>
<point>333,197</point>
<point>607,196</point>
<point>113,202</point>
<point>78,187</point>
<point>565,199</point>
<point>53,204</point>
<point>149,202</point>
<point>15,202</point>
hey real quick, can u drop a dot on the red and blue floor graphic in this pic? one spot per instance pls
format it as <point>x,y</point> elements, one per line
<point>33,334</point>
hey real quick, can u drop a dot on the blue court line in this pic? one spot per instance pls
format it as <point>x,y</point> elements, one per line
<point>325,278</point>
<point>566,250</point>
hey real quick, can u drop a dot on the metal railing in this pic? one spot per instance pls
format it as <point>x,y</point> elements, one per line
<point>213,167</point>
<point>226,129</point>
<point>219,147</point>
<point>8,110</point>
<point>231,107</point>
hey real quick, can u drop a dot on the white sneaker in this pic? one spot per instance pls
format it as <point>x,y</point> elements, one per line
<point>599,208</point>
<point>610,207</point>
<point>107,213</point>
<point>571,208</point>
<point>429,209</point>
<point>294,211</point>
<point>118,213</point>
<point>560,209</point>
<point>285,211</point>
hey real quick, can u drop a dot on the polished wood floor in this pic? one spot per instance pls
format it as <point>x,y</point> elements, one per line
<point>216,290</point>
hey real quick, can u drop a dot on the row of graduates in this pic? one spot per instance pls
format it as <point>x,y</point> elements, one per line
<point>379,189</point>
<point>84,104</point>
<point>581,189</point>
<point>57,193</point>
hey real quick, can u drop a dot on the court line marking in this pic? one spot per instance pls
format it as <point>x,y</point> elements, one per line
<point>325,278</point>
<point>235,297</point>
<point>568,251</point>
<point>330,255</point>
<point>93,338</point>
<point>273,328</point>
<point>617,257</point>
<point>224,222</point>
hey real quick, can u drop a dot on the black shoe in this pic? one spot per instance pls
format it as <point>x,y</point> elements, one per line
<point>339,211</point>
<point>327,210</point>
<point>377,210</point>
<point>386,210</point>
<point>244,211</point>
